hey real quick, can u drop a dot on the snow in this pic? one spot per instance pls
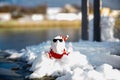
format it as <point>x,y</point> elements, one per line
<point>37,17</point>
<point>107,28</point>
<point>64,16</point>
<point>86,61</point>
<point>5,16</point>
<point>53,10</point>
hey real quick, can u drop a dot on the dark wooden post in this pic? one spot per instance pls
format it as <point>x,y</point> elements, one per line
<point>85,11</point>
<point>97,30</point>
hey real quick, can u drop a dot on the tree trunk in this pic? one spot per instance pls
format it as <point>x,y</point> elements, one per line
<point>85,11</point>
<point>97,30</point>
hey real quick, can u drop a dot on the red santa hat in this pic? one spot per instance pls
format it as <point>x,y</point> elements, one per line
<point>65,37</point>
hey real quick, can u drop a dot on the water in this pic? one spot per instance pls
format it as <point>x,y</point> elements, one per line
<point>18,40</point>
<point>12,69</point>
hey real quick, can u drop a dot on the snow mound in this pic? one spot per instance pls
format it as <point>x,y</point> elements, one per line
<point>43,65</point>
<point>86,61</point>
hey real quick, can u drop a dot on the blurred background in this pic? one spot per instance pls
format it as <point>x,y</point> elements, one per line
<point>30,22</point>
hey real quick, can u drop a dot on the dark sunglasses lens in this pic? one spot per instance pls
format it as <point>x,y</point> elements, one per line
<point>54,40</point>
<point>60,40</point>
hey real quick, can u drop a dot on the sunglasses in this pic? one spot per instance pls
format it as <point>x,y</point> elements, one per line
<point>55,40</point>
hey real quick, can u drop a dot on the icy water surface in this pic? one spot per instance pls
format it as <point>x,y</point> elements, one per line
<point>18,40</point>
<point>12,70</point>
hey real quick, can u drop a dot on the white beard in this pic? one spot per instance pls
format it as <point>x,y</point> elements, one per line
<point>58,47</point>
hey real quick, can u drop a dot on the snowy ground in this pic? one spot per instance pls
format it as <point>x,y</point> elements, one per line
<point>98,61</point>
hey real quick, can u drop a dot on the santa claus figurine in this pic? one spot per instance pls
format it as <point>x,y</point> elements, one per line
<point>58,49</point>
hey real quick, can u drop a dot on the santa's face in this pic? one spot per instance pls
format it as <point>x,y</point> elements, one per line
<point>58,45</point>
